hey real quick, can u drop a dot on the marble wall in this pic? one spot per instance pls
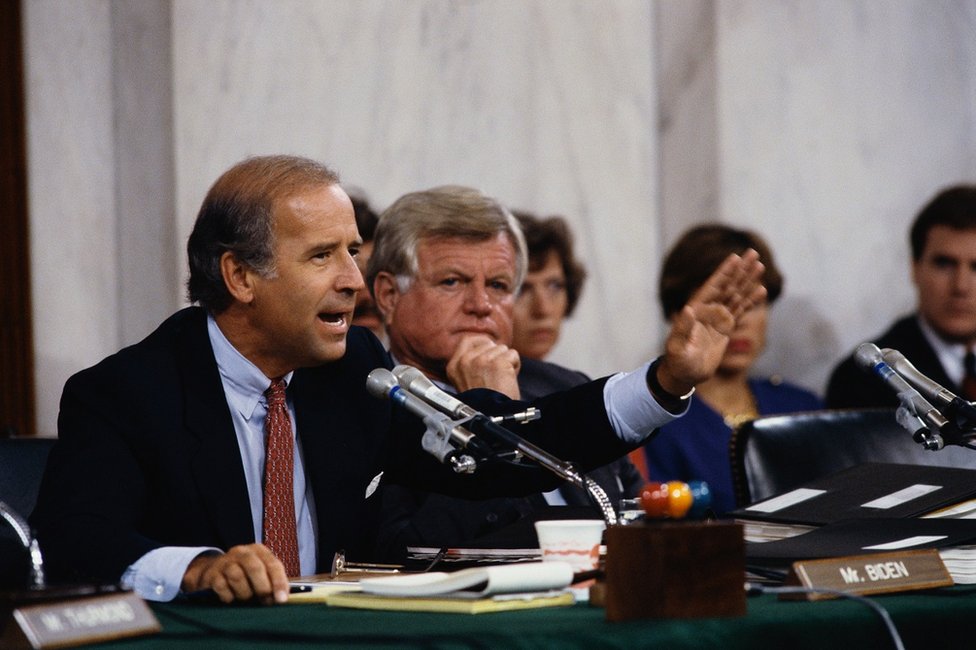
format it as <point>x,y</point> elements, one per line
<point>823,125</point>
<point>837,121</point>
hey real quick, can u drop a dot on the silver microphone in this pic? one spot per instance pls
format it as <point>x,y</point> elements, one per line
<point>443,436</point>
<point>956,407</point>
<point>417,383</point>
<point>869,357</point>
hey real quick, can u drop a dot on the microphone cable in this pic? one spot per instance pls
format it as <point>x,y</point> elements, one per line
<point>754,588</point>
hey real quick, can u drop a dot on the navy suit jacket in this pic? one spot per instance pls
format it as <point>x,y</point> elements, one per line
<point>147,455</point>
<point>852,387</point>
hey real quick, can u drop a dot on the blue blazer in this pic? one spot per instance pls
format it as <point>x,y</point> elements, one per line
<point>147,455</point>
<point>696,447</point>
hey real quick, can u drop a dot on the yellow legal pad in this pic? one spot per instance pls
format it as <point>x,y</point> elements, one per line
<point>498,603</point>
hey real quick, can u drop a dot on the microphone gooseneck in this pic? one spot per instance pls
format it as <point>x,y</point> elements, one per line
<point>23,531</point>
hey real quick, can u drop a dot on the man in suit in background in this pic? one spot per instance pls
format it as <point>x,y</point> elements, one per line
<point>939,337</point>
<point>445,274</point>
<point>237,445</point>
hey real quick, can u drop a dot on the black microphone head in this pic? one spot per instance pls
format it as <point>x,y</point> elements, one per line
<point>868,355</point>
<point>380,382</point>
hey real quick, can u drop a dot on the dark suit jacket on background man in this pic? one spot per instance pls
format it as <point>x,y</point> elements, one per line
<point>851,386</point>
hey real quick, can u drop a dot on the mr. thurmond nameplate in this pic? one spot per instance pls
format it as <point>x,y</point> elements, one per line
<point>80,621</point>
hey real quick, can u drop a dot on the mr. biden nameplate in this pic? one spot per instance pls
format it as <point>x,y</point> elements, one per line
<point>874,573</point>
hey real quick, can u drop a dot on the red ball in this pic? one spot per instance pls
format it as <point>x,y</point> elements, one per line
<point>654,500</point>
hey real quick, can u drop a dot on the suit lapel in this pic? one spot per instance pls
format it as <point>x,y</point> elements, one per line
<point>216,466</point>
<point>323,432</point>
<point>339,452</point>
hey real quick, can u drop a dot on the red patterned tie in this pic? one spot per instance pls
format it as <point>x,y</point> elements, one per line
<point>280,529</point>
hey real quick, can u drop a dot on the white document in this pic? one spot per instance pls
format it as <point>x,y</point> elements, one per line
<point>479,581</point>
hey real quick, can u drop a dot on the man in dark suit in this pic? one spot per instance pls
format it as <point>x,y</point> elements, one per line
<point>446,269</point>
<point>941,334</point>
<point>163,477</point>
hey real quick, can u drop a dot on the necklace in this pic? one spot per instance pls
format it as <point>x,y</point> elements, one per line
<point>740,416</point>
<point>733,420</point>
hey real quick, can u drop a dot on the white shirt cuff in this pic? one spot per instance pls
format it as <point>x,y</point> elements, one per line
<point>633,411</point>
<point>158,574</point>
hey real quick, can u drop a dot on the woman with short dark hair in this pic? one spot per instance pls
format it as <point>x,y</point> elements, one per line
<point>696,447</point>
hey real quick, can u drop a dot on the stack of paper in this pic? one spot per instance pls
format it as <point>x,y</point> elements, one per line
<point>476,590</point>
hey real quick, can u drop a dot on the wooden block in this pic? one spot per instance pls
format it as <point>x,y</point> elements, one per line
<point>675,570</point>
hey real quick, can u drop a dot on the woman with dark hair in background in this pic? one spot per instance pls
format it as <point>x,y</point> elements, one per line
<point>551,288</point>
<point>697,446</point>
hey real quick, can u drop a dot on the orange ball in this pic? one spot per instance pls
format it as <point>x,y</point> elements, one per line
<point>679,499</point>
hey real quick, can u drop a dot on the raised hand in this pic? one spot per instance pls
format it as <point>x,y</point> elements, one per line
<point>700,331</point>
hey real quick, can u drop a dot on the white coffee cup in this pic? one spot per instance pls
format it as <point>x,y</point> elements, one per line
<point>576,541</point>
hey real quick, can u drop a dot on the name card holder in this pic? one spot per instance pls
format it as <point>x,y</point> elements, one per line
<point>873,573</point>
<point>78,621</point>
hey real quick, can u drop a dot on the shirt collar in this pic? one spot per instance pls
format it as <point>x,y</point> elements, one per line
<point>243,382</point>
<point>950,354</point>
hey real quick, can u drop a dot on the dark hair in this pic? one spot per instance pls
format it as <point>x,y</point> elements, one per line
<point>552,234</point>
<point>366,217</point>
<point>236,216</point>
<point>699,252</point>
<point>953,207</point>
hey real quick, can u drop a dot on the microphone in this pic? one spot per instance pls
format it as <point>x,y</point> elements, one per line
<point>869,357</point>
<point>954,406</point>
<point>488,428</point>
<point>417,383</point>
<point>443,436</point>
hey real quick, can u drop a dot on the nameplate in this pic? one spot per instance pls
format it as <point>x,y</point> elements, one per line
<point>875,573</point>
<point>80,621</point>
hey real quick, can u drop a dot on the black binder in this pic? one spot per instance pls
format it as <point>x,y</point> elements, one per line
<point>860,536</point>
<point>868,491</point>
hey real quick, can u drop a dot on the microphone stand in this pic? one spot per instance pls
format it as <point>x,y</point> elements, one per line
<point>911,423</point>
<point>484,425</point>
<point>448,439</point>
<point>29,542</point>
